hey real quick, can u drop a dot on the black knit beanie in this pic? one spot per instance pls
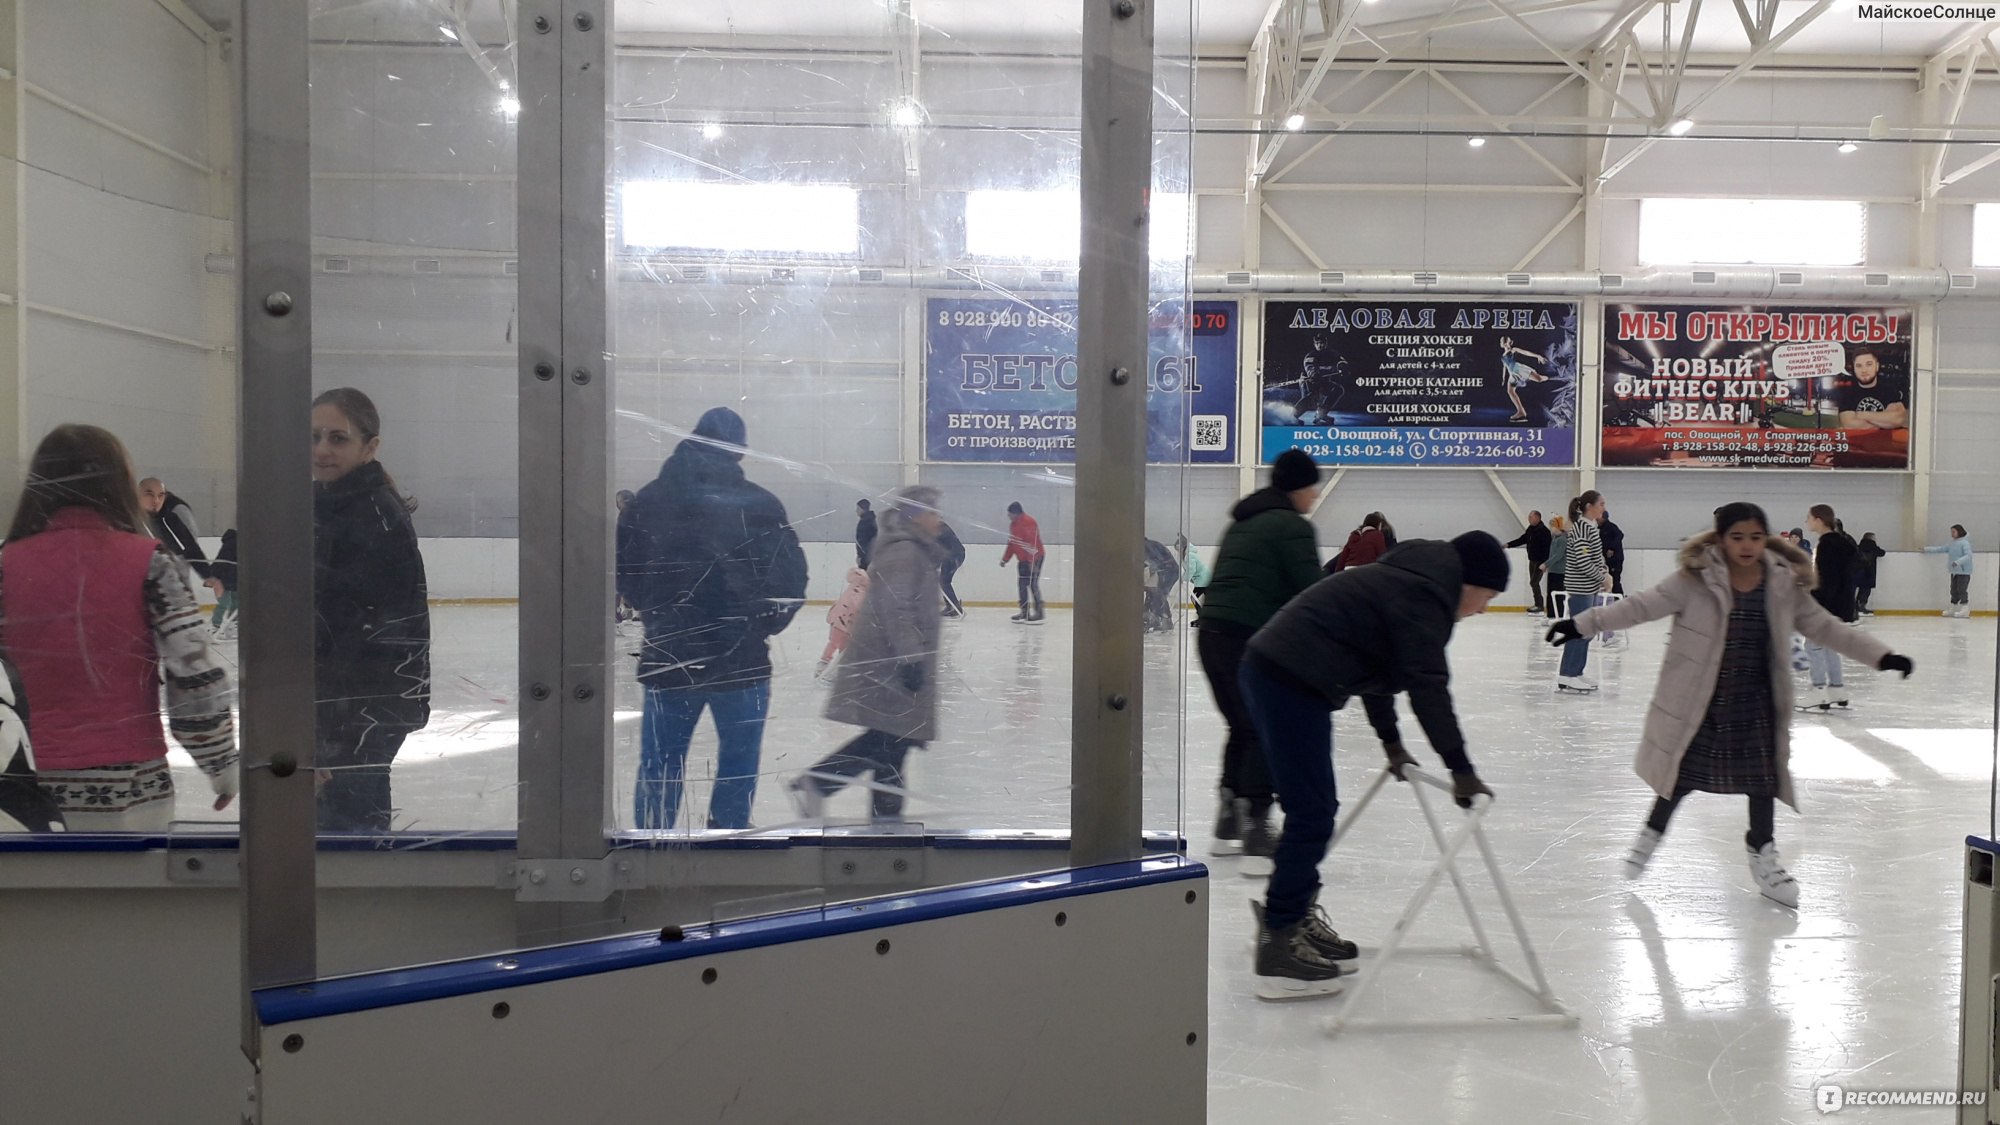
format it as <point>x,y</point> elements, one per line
<point>1482,560</point>
<point>1294,469</point>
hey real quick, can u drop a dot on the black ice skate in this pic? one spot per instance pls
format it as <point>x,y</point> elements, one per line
<point>1258,839</point>
<point>1290,967</point>
<point>1319,931</point>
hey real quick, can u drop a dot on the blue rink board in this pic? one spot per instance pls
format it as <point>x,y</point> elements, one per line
<point>394,987</point>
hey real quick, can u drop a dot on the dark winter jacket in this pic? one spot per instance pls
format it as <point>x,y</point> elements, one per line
<point>864,539</point>
<point>1613,538</point>
<point>1535,537</point>
<point>1869,552</point>
<point>1268,556</point>
<point>223,569</point>
<point>1838,561</point>
<point>948,541</point>
<point>175,526</point>
<point>1377,631</point>
<point>372,635</point>
<point>1160,562</point>
<point>714,568</point>
<point>1364,546</point>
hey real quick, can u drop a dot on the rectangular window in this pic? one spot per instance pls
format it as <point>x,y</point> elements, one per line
<point>738,218</point>
<point>1757,232</point>
<point>1986,235</point>
<point>1046,226</point>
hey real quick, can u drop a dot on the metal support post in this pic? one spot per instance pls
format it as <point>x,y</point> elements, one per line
<point>565,421</point>
<point>1107,711</point>
<point>274,506</point>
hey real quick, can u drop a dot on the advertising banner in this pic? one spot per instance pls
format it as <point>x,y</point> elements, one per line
<point>1000,381</point>
<point>1421,382</point>
<point>1697,386</point>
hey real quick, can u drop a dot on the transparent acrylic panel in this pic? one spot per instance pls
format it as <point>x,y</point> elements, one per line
<point>415,448</point>
<point>116,346</point>
<point>854,236</point>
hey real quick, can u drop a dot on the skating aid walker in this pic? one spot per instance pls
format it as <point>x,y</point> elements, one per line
<point>1552,1013</point>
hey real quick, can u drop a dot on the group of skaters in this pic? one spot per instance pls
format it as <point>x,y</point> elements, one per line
<point>1284,643</point>
<point>100,625</point>
<point>711,567</point>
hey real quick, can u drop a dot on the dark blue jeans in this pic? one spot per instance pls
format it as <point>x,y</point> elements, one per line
<point>1295,727</point>
<point>664,734</point>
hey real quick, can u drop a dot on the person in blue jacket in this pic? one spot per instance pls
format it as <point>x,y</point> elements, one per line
<point>1958,560</point>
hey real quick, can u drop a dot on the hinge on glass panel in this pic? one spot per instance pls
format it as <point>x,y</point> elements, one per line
<point>571,880</point>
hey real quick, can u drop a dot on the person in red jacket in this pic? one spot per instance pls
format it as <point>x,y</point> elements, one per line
<point>95,613</point>
<point>1024,544</point>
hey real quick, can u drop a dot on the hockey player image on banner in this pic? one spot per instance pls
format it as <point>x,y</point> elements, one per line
<point>1692,386</point>
<point>1421,382</point>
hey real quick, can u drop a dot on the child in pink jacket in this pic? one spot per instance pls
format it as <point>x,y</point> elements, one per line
<point>840,619</point>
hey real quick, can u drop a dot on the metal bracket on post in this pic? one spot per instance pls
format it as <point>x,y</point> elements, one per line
<point>572,880</point>
<point>1106,717</point>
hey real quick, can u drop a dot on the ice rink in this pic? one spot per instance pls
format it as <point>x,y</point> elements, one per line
<point>1699,1000</point>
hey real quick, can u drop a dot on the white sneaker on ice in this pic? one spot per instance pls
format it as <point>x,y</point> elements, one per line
<point>1963,611</point>
<point>1949,611</point>
<point>1776,883</point>
<point>1642,852</point>
<point>1581,684</point>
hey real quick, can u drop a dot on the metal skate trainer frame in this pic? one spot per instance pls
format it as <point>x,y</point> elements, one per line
<point>1474,831</point>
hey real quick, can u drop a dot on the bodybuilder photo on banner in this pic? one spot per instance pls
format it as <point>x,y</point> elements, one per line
<point>1695,386</point>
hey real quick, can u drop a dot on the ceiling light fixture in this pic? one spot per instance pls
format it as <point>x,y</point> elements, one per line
<point>906,115</point>
<point>1476,142</point>
<point>711,131</point>
<point>1680,128</point>
<point>447,32</point>
<point>1295,122</point>
<point>1847,147</point>
<point>510,105</point>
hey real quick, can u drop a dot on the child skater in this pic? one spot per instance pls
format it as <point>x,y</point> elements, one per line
<point>1738,596</point>
<point>840,619</point>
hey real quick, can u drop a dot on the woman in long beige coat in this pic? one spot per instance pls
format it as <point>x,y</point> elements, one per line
<point>1719,722</point>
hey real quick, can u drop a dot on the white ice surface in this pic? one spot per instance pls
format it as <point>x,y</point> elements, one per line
<point>1699,1000</point>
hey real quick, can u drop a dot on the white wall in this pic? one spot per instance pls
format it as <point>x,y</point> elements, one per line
<point>116,231</point>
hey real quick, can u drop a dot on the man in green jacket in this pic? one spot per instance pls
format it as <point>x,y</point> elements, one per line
<point>1268,556</point>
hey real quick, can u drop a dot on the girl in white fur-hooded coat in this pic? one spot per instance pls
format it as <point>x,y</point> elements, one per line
<point>1720,717</point>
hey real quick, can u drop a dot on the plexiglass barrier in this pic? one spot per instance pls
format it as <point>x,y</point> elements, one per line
<point>839,285</point>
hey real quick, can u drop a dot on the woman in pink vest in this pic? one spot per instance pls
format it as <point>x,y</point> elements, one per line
<point>94,614</point>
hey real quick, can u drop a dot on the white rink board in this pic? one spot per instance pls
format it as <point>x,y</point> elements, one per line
<point>999,1015</point>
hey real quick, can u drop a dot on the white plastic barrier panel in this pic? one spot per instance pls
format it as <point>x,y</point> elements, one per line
<point>1077,995</point>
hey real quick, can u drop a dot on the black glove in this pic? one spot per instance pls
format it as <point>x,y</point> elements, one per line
<point>1895,663</point>
<point>912,676</point>
<point>1562,632</point>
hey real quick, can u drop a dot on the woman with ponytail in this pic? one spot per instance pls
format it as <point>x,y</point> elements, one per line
<point>1585,576</point>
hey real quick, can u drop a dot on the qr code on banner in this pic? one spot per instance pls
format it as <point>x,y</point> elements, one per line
<point>1211,432</point>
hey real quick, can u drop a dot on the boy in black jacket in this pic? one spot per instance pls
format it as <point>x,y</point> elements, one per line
<point>1374,631</point>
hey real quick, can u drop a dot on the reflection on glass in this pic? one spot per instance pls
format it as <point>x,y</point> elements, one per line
<point>97,615</point>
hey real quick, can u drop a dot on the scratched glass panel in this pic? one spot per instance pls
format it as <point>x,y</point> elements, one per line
<point>844,317</point>
<point>119,460</point>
